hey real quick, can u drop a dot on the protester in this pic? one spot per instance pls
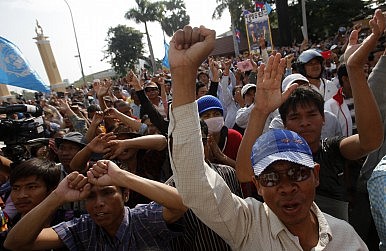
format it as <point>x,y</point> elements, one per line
<point>376,186</point>
<point>360,217</point>
<point>310,65</point>
<point>108,225</point>
<point>302,112</point>
<point>31,181</point>
<point>289,220</point>
<point>227,139</point>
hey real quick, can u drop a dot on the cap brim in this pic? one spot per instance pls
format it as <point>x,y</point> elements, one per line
<point>294,157</point>
<point>59,141</point>
<point>210,108</point>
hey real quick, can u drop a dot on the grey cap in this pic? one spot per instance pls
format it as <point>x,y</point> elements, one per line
<point>74,137</point>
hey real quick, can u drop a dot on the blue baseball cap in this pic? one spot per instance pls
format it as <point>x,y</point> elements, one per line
<point>209,102</point>
<point>280,144</point>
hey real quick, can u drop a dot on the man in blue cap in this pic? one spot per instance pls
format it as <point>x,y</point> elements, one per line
<point>284,171</point>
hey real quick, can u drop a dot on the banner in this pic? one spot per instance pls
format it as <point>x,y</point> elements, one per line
<point>165,60</point>
<point>257,26</point>
<point>16,71</point>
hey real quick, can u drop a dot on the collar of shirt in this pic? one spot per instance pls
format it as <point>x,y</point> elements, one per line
<point>277,226</point>
<point>119,237</point>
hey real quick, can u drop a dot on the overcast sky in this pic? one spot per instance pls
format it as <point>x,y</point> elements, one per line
<point>92,20</point>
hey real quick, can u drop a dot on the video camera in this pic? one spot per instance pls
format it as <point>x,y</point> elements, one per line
<point>16,133</point>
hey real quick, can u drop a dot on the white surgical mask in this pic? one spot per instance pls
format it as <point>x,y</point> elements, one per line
<point>214,124</point>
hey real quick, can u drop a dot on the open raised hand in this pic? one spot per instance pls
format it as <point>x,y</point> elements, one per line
<point>268,95</point>
<point>104,88</point>
<point>100,144</point>
<point>356,54</point>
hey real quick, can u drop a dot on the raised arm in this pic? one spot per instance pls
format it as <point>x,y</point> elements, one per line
<point>113,113</point>
<point>99,144</point>
<point>102,91</point>
<point>268,97</point>
<point>367,115</point>
<point>105,173</point>
<point>93,129</point>
<point>29,233</point>
<point>201,188</point>
<point>155,117</point>
<point>214,77</point>
<point>155,142</point>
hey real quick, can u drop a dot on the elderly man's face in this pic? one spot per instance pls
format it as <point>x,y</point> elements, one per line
<point>290,200</point>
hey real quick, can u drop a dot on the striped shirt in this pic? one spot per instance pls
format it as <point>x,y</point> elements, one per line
<point>377,195</point>
<point>142,228</point>
<point>197,236</point>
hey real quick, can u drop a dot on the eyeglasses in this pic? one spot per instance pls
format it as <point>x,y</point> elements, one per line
<point>295,174</point>
<point>151,89</point>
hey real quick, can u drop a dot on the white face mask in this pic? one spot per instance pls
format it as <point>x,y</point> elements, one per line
<point>214,124</point>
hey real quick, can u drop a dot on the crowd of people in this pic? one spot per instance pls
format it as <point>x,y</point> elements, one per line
<point>287,155</point>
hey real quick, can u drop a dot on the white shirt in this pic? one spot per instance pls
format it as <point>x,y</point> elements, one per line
<point>227,101</point>
<point>245,224</point>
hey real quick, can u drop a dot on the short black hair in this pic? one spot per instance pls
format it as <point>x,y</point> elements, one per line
<point>235,88</point>
<point>303,96</point>
<point>198,86</point>
<point>93,108</point>
<point>342,71</point>
<point>46,170</point>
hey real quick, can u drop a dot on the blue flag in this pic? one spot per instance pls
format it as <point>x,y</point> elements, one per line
<point>16,71</point>
<point>268,8</point>
<point>165,60</point>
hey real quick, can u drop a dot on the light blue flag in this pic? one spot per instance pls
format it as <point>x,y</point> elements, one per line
<point>16,71</point>
<point>165,60</point>
<point>268,8</point>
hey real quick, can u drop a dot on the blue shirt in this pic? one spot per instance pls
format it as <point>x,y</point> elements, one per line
<point>142,228</point>
<point>377,195</point>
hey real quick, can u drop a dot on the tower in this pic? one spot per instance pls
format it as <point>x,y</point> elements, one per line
<point>4,92</point>
<point>48,60</point>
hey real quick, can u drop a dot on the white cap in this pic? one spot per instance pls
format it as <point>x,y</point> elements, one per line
<point>246,88</point>
<point>292,78</point>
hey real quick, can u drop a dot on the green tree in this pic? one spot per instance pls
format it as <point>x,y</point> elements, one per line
<point>324,17</point>
<point>235,8</point>
<point>174,16</point>
<point>124,47</point>
<point>144,13</point>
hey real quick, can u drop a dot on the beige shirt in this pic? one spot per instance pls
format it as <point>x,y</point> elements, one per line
<point>245,224</point>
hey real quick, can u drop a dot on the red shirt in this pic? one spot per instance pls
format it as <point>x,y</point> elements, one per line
<point>232,143</point>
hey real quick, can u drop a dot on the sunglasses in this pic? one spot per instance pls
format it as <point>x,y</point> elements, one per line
<point>151,89</point>
<point>295,174</point>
